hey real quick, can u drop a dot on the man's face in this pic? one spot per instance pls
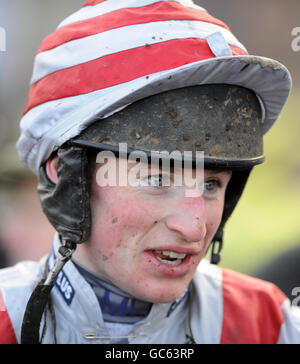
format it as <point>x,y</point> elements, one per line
<point>148,240</point>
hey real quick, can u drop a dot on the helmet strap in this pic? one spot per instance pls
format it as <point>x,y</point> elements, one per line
<point>217,246</point>
<point>30,332</point>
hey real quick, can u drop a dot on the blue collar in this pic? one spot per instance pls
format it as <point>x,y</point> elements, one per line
<point>116,305</point>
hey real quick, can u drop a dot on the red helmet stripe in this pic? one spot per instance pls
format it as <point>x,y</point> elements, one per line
<point>119,68</point>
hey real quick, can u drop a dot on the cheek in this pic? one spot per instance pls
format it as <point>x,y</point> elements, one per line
<point>119,220</point>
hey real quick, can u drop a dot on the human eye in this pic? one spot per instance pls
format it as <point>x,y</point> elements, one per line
<point>212,186</point>
<point>158,181</point>
<point>215,184</point>
<point>156,184</point>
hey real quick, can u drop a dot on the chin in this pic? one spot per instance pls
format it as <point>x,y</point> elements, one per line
<point>167,299</point>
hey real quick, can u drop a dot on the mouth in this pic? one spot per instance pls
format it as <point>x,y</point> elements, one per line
<point>174,262</point>
<point>169,257</point>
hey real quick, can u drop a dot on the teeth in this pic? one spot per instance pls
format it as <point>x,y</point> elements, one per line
<point>177,258</point>
<point>170,262</point>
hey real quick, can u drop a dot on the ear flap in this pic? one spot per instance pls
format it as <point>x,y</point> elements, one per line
<point>67,203</point>
<point>234,192</point>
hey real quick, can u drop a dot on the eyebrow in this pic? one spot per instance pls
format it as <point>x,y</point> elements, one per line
<point>217,171</point>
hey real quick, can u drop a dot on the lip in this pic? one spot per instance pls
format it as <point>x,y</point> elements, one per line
<point>173,271</point>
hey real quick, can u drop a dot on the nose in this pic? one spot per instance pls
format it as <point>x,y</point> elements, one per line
<point>189,220</point>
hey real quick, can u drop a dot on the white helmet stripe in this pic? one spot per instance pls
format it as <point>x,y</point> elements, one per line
<point>108,6</point>
<point>121,39</point>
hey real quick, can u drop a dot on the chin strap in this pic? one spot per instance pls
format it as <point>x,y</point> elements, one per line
<point>217,246</point>
<point>30,333</point>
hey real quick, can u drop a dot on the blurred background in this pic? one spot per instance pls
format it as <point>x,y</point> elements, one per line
<point>266,222</point>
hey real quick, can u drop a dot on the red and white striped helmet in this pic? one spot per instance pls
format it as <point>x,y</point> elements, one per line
<point>112,53</point>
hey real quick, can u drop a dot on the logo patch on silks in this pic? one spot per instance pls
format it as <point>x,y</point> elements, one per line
<point>62,282</point>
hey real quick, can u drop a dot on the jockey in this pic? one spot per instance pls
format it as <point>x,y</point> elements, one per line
<point>144,121</point>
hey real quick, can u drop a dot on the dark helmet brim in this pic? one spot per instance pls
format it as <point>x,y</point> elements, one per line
<point>223,121</point>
